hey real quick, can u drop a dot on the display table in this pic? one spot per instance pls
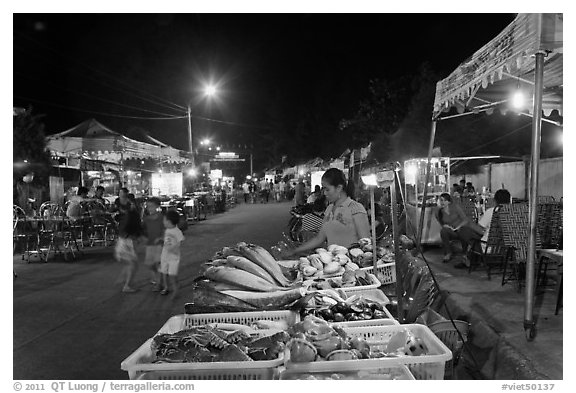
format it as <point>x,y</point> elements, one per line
<point>431,229</point>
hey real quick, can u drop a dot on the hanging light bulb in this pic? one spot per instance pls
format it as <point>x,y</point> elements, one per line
<point>518,100</point>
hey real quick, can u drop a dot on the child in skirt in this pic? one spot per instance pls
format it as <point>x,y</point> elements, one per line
<point>129,230</point>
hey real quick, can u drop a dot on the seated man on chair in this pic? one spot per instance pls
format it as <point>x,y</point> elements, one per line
<point>501,197</point>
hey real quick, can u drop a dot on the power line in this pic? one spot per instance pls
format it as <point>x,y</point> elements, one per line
<point>232,123</point>
<point>101,72</point>
<point>496,140</point>
<point>108,85</point>
<point>94,97</point>
<point>98,113</point>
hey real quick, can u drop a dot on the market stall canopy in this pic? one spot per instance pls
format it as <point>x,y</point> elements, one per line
<point>92,139</point>
<point>506,64</point>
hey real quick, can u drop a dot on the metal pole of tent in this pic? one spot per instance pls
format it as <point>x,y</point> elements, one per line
<point>425,196</point>
<point>529,324</point>
<point>396,235</point>
<point>373,227</point>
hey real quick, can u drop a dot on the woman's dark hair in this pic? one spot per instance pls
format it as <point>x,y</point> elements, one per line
<point>82,191</point>
<point>335,177</point>
<point>502,197</point>
<point>446,196</point>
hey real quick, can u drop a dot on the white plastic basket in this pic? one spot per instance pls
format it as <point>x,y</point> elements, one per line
<point>373,294</point>
<point>240,318</point>
<point>360,288</point>
<point>222,375</point>
<point>424,367</point>
<point>139,362</point>
<point>398,372</point>
<point>386,270</point>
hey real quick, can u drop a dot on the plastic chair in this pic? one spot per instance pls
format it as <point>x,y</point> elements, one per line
<point>492,252</point>
<point>545,199</point>
<point>515,231</point>
<point>469,208</point>
<point>22,232</point>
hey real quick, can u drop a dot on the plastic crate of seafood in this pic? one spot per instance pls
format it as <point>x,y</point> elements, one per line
<point>246,374</point>
<point>248,318</point>
<point>413,345</point>
<point>399,372</point>
<point>179,366</point>
<point>375,284</point>
<point>386,272</point>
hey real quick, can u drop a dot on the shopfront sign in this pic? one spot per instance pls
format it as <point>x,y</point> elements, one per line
<point>166,184</point>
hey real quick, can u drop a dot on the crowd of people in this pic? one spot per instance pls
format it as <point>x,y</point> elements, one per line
<point>137,226</point>
<point>456,226</point>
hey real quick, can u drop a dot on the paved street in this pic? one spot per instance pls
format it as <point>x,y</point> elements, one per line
<point>72,322</point>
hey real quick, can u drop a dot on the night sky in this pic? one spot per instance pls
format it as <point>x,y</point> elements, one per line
<point>270,69</point>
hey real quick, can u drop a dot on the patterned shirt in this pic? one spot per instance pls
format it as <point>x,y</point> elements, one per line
<point>339,225</point>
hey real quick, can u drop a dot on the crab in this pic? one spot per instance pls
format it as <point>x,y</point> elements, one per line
<point>195,344</point>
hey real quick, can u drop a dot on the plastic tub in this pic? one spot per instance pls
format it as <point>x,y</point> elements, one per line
<point>424,367</point>
<point>241,318</point>
<point>139,362</point>
<point>361,288</point>
<point>399,372</point>
<point>387,272</point>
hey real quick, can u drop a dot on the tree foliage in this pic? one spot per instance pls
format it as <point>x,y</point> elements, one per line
<point>29,143</point>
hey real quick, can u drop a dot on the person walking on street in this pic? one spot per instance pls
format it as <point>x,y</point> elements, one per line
<point>282,189</point>
<point>154,233</point>
<point>246,190</point>
<point>299,194</point>
<point>170,257</point>
<point>252,189</point>
<point>129,230</point>
<point>277,193</point>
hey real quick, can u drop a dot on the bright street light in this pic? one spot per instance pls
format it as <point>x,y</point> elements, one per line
<point>205,141</point>
<point>192,172</point>
<point>210,90</point>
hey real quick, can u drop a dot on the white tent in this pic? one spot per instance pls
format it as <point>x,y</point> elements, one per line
<point>527,56</point>
<point>91,139</point>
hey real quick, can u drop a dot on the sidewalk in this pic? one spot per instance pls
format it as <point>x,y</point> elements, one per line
<point>497,334</point>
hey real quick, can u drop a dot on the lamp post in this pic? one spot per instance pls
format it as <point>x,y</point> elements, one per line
<point>190,146</point>
<point>209,91</point>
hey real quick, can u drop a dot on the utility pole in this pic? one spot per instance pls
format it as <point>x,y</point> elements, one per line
<point>251,168</point>
<point>190,147</point>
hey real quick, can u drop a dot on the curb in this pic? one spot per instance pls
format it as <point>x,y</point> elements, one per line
<point>505,362</point>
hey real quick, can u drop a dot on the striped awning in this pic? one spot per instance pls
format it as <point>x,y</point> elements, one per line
<point>505,65</point>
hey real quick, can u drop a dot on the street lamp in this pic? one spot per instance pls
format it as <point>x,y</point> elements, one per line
<point>209,91</point>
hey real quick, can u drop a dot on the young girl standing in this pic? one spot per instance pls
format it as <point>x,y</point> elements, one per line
<point>129,230</point>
